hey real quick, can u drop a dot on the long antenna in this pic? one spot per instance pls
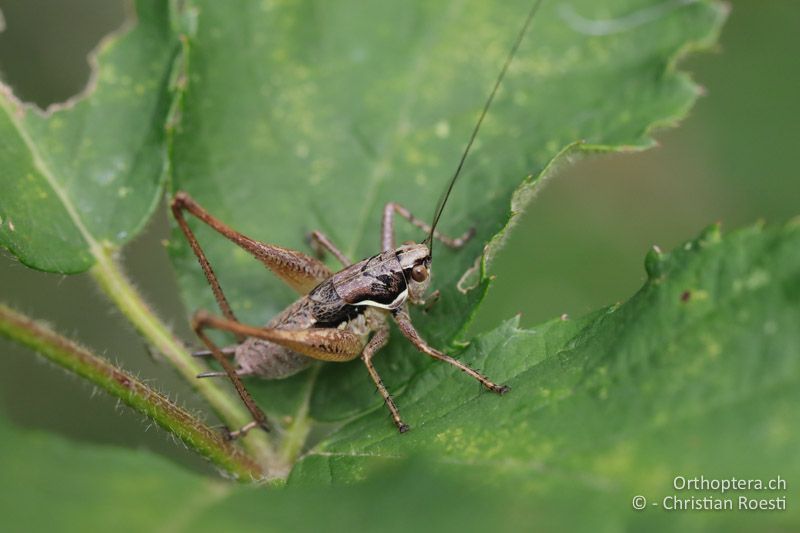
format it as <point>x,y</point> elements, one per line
<point>443,199</point>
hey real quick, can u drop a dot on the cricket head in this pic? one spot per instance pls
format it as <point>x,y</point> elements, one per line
<point>415,260</point>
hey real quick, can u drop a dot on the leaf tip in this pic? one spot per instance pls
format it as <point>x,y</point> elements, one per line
<point>710,235</point>
<point>654,263</point>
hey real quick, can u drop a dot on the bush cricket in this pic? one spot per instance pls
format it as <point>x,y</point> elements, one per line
<point>339,316</point>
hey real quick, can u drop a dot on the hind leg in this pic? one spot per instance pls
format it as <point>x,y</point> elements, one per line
<point>259,418</point>
<point>298,270</point>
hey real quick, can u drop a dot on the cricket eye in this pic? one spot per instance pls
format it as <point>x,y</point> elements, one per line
<point>419,273</point>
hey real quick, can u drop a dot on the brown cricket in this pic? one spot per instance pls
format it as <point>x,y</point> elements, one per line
<point>339,316</point>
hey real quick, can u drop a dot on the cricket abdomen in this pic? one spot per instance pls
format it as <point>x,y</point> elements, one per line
<point>269,360</point>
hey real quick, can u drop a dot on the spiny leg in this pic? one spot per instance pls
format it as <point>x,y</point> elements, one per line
<point>320,239</point>
<point>407,329</point>
<point>229,351</point>
<point>378,341</point>
<point>387,228</point>
<point>324,344</point>
<point>298,270</point>
<point>199,324</point>
<point>183,201</point>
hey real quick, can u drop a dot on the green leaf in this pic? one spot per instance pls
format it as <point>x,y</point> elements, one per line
<point>87,173</point>
<point>81,487</point>
<point>711,334</point>
<point>302,115</point>
<point>93,488</point>
<point>696,375</point>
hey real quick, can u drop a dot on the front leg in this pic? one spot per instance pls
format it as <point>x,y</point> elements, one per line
<point>407,329</point>
<point>428,302</point>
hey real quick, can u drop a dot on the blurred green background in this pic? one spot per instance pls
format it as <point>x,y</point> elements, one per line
<point>580,246</point>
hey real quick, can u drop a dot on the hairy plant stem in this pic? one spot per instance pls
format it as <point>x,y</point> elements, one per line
<point>102,373</point>
<point>297,432</point>
<point>121,291</point>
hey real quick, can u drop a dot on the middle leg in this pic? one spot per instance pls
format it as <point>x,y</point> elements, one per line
<point>324,243</point>
<point>377,342</point>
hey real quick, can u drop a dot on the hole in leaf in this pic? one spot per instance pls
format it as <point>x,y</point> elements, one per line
<point>45,45</point>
